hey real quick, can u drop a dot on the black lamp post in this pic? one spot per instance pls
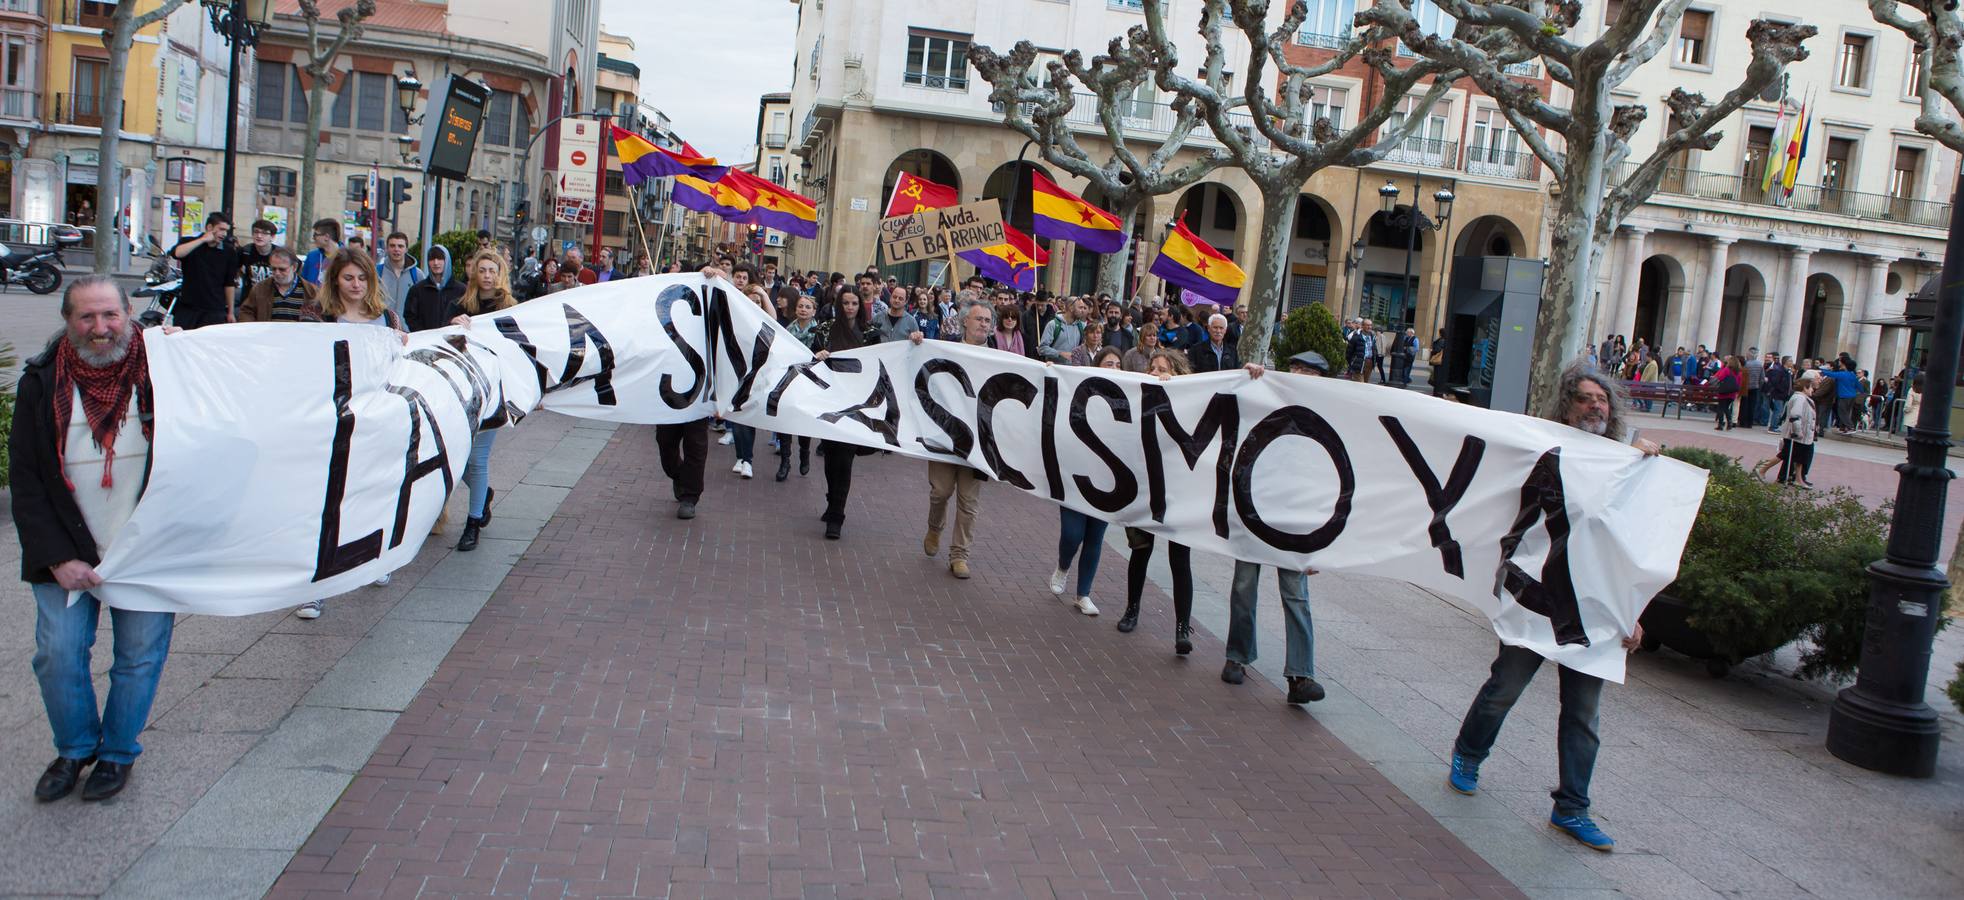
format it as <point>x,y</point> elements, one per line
<point>1412,221</point>
<point>1882,723</point>
<point>239,23</point>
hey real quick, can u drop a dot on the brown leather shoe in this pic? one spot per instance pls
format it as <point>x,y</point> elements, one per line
<point>958,568</point>
<point>932,543</point>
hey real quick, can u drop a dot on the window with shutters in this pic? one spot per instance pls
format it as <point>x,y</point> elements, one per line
<point>277,184</point>
<point>1903,175</point>
<point>372,92</point>
<point>1837,173</point>
<point>1694,33</point>
<point>1759,150</point>
<point>1851,64</point>
<point>1327,103</point>
<point>1917,78</point>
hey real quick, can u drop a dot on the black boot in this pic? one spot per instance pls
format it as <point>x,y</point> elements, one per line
<point>1183,639</point>
<point>832,530</point>
<point>468,541</point>
<point>804,461</point>
<point>490,494</point>
<point>784,467</point>
<point>1130,620</point>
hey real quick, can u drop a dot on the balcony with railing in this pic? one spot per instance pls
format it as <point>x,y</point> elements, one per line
<point>1148,119</point>
<point>1498,163</point>
<point>775,140</point>
<point>30,7</point>
<point>86,110</point>
<point>20,104</point>
<point>1425,152</point>
<point>1806,197</point>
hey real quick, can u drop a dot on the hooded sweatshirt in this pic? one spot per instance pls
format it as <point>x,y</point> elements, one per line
<point>429,302</point>
<point>396,283</point>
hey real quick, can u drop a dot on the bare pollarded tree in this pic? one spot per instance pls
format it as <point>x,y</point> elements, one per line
<point>1284,143</point>
<point>1596,190</point>
<point>1937,30</point>
<point>1042,113</point>
<point>321,52</point>
<point>118,38</point>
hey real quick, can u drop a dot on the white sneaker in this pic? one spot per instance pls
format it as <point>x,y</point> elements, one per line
<point>381,582</point>
<point>1084,605</point>
<point>747,473</point>
<point>727,439</point>
<point>1057,581</point>
<point>309,610</point>
<point>736,468</point>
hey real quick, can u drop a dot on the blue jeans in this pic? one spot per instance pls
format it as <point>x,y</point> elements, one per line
<point>746,441</point>
<point>1084,538</point>
<point>63,637</point>
<point>477,472</point>
<point>1300,656</point>
<point>1575,734</point>
<point>1771,410</point>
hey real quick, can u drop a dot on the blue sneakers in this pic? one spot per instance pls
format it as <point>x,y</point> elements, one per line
<point>1583,829</point>
<point>1464,777</point>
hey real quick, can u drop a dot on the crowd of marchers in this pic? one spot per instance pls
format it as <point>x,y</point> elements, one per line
<point>77,478</point>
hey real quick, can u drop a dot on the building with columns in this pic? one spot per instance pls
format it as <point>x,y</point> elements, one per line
<point>883,87</point>
<point>1716,259</point>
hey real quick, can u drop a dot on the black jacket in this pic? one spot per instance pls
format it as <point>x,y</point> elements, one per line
<point>46,515</point>
<point>1203,359</point>
<point>430,305</point>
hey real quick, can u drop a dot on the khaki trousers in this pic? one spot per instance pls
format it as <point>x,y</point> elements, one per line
<point>945,479</point>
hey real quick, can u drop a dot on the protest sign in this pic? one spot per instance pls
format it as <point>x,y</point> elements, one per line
<point>297,461</point>
<point>940,232</point>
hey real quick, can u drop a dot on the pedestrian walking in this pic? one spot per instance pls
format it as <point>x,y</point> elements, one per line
<point>962,483</point>
<point>1589,402</point>
<point>1798,432</point>
<point>803,326</point>
<point>281,296</point>
<point>79,452</point>
<point>432,302</point>
<point>1081,537</point>
<point>850,328</point>
<point>487,289</point>
<point>1298,630</point>
<point>210,265</point>
<point>1166,364</point>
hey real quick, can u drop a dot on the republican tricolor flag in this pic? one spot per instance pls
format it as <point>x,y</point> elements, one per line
<point>642,160</point>
<point>1061,215</point>
<point>1187,261</point>
<point>1014,263</point>
<point>774,206</point>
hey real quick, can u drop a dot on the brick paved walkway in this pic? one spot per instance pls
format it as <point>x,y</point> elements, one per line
<point>735,707</point>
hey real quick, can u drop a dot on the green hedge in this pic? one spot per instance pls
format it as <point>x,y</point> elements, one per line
<point>1309,327</point>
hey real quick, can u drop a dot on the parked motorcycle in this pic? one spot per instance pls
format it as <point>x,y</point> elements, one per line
<point>161,284</point>
<point>39,271</point>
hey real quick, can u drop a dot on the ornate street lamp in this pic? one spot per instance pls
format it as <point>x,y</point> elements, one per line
<point>238,22</point>
<point>1388,196</point>
<point>408,88</point>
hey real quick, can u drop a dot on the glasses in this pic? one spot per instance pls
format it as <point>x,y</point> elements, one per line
<point>281,270</point>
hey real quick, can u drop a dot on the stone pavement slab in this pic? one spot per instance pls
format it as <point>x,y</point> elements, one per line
<point>254,734</point>
<point>734,706</point>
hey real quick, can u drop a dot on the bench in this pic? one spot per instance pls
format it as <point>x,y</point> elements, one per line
<point>1668,393</point>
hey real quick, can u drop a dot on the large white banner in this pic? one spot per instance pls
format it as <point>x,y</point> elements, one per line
<point>293,462</point>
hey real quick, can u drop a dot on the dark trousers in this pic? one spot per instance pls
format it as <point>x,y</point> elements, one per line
<point>1179,559</point>
<point>684,452</point>
<point>1576,740</point>
<point>188,317</point>
<point>1796,461</point>
<point>1749,413</point>
<point>838,478</point>
<point>784,445</point>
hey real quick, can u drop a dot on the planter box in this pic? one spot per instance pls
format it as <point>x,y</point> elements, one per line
<point>1666,622</point>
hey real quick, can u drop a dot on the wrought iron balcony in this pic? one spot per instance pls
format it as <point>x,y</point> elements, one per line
<point>1323,41</point>
<point>86,110</point>
<point>1806,197</point>
<point>1500,163</point>
<point>775,140</point>
<point>1425,152</point>
<point>1152,119</point>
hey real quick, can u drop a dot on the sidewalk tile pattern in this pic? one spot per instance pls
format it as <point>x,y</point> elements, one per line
<point>733,706</point>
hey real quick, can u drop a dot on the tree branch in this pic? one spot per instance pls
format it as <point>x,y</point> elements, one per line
<point>1939,33</point>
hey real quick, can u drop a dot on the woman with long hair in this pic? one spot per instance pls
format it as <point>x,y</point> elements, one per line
<point>850,328</point>
<point>487,289</point>
<point>1725,389</point>
<point>1009,329</point>
<point>1165,365</point>
<point>804,327</point>
<point>351,293</point>
<point>1139,358</point>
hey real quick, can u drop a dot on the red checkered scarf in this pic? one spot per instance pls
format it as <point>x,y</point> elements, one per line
<point>106,396</point>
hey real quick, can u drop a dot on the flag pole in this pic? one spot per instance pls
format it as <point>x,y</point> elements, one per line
<point>634,208</point>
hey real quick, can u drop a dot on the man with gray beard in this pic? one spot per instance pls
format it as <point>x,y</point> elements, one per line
<point>81,448</point>
<point>1590,402</point>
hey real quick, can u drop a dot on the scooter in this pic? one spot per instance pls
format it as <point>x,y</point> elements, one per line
<point>162,284</point>
<point>39,271</point>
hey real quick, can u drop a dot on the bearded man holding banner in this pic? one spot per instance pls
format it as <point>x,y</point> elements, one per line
<point>978,321</point>
<point>1589,402</point>
<point>81,449</point>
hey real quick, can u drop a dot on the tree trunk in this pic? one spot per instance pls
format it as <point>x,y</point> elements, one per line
<point>1575,257</point>
<point>1111,266</point>
<point>117,38</point>
<point>310,152</point>
<point>1956,571</point>
<point>1271,276</point>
